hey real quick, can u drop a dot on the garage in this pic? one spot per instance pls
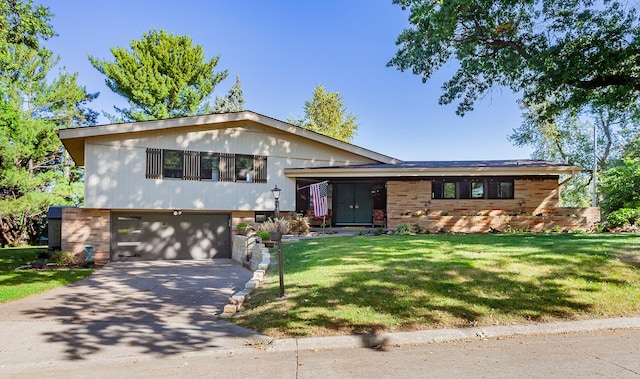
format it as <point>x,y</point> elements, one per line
<point>148,236</point>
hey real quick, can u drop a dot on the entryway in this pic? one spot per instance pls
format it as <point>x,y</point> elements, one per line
<point>353,203</point>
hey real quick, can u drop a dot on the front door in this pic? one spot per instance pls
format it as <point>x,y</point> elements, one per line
<point>354,203</point>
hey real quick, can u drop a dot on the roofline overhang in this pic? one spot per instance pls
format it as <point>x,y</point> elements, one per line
<point>396,172</point>
<point>73,139</point>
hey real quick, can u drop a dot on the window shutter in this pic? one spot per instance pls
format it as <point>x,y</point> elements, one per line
<point>154,164</point>
<point>227,168</point>
<point>260,168</point>
<point>191,165</point>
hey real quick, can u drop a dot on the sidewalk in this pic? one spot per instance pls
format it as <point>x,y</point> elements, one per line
<point>604,348</point>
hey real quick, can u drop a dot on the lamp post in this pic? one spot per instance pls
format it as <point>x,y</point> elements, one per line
<point>276,196</point>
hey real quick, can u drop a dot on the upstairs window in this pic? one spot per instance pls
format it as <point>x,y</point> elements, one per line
<point>209,166</point>
<point>196,165</point>
<point>172,161</point>
<point>244,168</point>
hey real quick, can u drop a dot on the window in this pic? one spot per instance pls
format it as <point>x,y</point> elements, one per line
<point>443,190</point>
<point>449,191</point>
<point>209,167</point>
<point>196,165</point>
<point>172,164</point>
<point>501,190</point>
<point>477,190</point>
<point>472,188</point>
<point>244,168</point>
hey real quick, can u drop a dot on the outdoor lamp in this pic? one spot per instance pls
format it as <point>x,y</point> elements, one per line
<point>276,196</point>
<point>276,192</point>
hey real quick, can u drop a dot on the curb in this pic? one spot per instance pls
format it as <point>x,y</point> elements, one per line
<point>441,335</point>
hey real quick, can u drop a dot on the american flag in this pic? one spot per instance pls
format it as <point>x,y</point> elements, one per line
<point>319,197</point>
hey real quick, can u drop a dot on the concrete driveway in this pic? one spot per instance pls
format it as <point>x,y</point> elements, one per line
<point>126,309</point>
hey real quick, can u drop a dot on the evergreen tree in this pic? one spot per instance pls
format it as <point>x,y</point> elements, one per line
<point>326,114</point>
<point>233,102</point>
<point>162,76</point>
<point>31,110</point>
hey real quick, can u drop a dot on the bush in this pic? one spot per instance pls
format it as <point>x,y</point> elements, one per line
<point>63,259</point>
<point>623,217</point>
<point>404,229</point>
<point>277,225</point>
<point>299,225</point>
<point>264,235</point>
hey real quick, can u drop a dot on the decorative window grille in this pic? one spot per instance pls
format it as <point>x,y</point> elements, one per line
<point>154,164</point>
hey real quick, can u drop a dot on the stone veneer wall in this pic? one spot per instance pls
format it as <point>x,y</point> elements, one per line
<point>81,227</point>
<point>534,208</point>
<point>249,251</point>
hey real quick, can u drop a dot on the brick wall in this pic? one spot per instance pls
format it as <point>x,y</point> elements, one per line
<point>534,208</point>
<point>81,227</point>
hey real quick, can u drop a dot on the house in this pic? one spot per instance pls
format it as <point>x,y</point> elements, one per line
<point>175,188</point>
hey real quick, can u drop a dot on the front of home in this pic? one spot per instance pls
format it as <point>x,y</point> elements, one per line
<point>176,188</point>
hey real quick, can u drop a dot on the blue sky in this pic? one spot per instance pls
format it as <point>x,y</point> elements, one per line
<point>282,49</point>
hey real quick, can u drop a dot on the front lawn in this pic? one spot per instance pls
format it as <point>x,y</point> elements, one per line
<point>354,285</point>
<point>18,284</point>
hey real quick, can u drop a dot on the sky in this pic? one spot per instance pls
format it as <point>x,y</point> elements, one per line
<point>282,50</point>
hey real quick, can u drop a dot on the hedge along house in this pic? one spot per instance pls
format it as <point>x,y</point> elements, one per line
<point>176,188</point>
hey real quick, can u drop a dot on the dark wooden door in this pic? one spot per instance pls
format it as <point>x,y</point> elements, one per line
<point>354,203</point>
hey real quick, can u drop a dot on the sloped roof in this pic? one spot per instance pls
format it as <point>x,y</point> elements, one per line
<point>74,138</point>
<point>511,167</point>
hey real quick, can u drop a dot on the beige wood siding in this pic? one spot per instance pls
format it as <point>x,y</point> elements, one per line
<point>116,168</point>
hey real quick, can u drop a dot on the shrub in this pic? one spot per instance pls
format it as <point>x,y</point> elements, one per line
<point>404,229</point>
<point>63,259</point>
<point>264,235</point>
<point>623,217</point>
<point>278,225</point>
<point>299,225</point>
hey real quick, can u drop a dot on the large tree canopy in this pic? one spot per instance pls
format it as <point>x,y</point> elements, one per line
<point>565,54</point>
<point>34,103</point>
<point>325,113</point>
<point>162,76</point>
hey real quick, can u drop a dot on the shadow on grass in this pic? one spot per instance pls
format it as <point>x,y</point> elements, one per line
<point>368,285</point>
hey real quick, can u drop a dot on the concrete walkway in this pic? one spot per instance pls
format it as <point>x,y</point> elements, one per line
<point>159,320</point>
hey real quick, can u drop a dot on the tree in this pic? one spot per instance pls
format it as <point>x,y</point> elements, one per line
<point>325,113</point>
<point>620,186</point>
<point>162,76</point>
<point>31,110</point>
<point>233,102</point>
<point>569,139</point>
<point>567,55</point>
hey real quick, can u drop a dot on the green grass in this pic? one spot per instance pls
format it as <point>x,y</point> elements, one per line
<point>354,285</point>
<point>18,284</point>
